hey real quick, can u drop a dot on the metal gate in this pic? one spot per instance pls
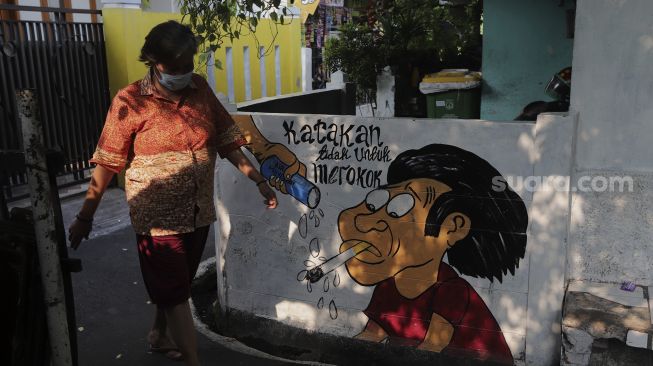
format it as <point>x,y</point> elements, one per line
<point>66,63</point>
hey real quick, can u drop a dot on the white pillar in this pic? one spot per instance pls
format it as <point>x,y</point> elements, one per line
<point>337,80</point>
<point>44,228</point>
<point>385,94</point>
<point>307,69</point>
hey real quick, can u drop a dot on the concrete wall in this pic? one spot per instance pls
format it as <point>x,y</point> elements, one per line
<point>263,255</point>
<point>610,232</point>
<point>524,44</point>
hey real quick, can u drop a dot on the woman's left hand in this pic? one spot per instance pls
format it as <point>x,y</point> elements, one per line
<point>268,194</point>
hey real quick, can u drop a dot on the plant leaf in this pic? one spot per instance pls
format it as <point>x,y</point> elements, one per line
<point>204,56</point>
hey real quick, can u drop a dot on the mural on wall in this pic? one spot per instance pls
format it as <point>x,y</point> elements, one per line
<point>278,164</point>
<point>440,215</point>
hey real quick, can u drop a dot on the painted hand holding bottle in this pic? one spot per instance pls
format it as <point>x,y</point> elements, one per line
<point>297,186</point>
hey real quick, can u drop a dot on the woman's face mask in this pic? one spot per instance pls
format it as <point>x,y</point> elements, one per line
<point>176,75</point>
<point>175,82</point>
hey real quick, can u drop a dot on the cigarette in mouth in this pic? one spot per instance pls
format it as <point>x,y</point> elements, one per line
<point>315,274</point>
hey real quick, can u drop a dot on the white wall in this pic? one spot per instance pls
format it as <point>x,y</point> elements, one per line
<point>81,4</point>
<point>163,6</point>
<point>30,15</point>
<point>610,233</point>
<point>261,252</point>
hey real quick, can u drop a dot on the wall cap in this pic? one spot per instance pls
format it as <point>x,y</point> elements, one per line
<point>126,4</point>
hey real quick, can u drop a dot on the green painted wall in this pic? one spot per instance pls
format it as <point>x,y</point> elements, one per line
<point>524,43</point>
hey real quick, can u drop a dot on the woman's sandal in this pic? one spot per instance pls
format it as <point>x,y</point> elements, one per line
<point>172,353</point>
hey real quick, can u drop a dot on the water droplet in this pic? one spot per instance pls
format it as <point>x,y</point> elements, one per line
<point>309,263</point>
<point>309,287</point>
<point>317,221</point>
<point>303,226</point>
<point>320,303</point>
<point>319,210</point>
<point>322,259</point>
<point>333,310</point>
<point>301,276</point>
<point>336,280</point>
<point>326,284</point>
<point>311,215</point>
<point>314,247</point>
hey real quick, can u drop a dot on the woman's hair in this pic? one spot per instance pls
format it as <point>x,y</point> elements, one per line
<point>166,42</point>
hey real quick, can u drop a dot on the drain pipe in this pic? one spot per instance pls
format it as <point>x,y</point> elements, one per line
<point>44,226</point>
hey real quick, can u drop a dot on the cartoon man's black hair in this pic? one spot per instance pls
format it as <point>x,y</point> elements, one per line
<point>497,239</point>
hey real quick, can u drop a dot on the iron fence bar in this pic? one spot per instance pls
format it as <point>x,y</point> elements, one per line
<point>64,76</point>
<point>15,83</point>
<point>89,94</point>
<point>90,90</point>
<point>7,104</point>
<point>82,91</point>
<point>98,70</point>
<point>104,70</point>
<point>76,48</point>
<point>72,65</point>
<point>66,94</point>
<point>105,93</point>
<point>44,83</point>
<point>90,71</point>
<point>59,88</point>
<point>49,48</point>
<point>33,80</point>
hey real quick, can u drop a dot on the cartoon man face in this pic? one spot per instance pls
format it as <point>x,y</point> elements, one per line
<point>439,199</point>
<point>392,220</point>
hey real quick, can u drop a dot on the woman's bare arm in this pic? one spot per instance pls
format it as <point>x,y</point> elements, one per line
<point>81,226</point>
<point>240,161</point>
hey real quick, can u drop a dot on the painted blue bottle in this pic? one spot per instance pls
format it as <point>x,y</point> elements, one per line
<point>298,187</point>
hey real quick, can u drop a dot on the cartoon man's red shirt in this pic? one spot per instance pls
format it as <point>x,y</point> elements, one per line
<point>406,321</point>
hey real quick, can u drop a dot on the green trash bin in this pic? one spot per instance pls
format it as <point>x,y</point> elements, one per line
<point>452,94</point>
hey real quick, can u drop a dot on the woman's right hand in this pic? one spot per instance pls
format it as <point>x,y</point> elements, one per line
<point>77,231</point>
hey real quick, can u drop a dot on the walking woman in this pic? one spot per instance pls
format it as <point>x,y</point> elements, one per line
<point>166,131</point>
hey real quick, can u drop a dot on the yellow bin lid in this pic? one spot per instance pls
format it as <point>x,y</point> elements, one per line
<point>452,76</point>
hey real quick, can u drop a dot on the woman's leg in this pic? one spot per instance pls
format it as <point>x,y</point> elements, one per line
<point>179,318</point>
<point>162,259</point>
<point>169,264</point>
<point>160,324</point>
<point>182,329</point>
<point>158,336</point>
